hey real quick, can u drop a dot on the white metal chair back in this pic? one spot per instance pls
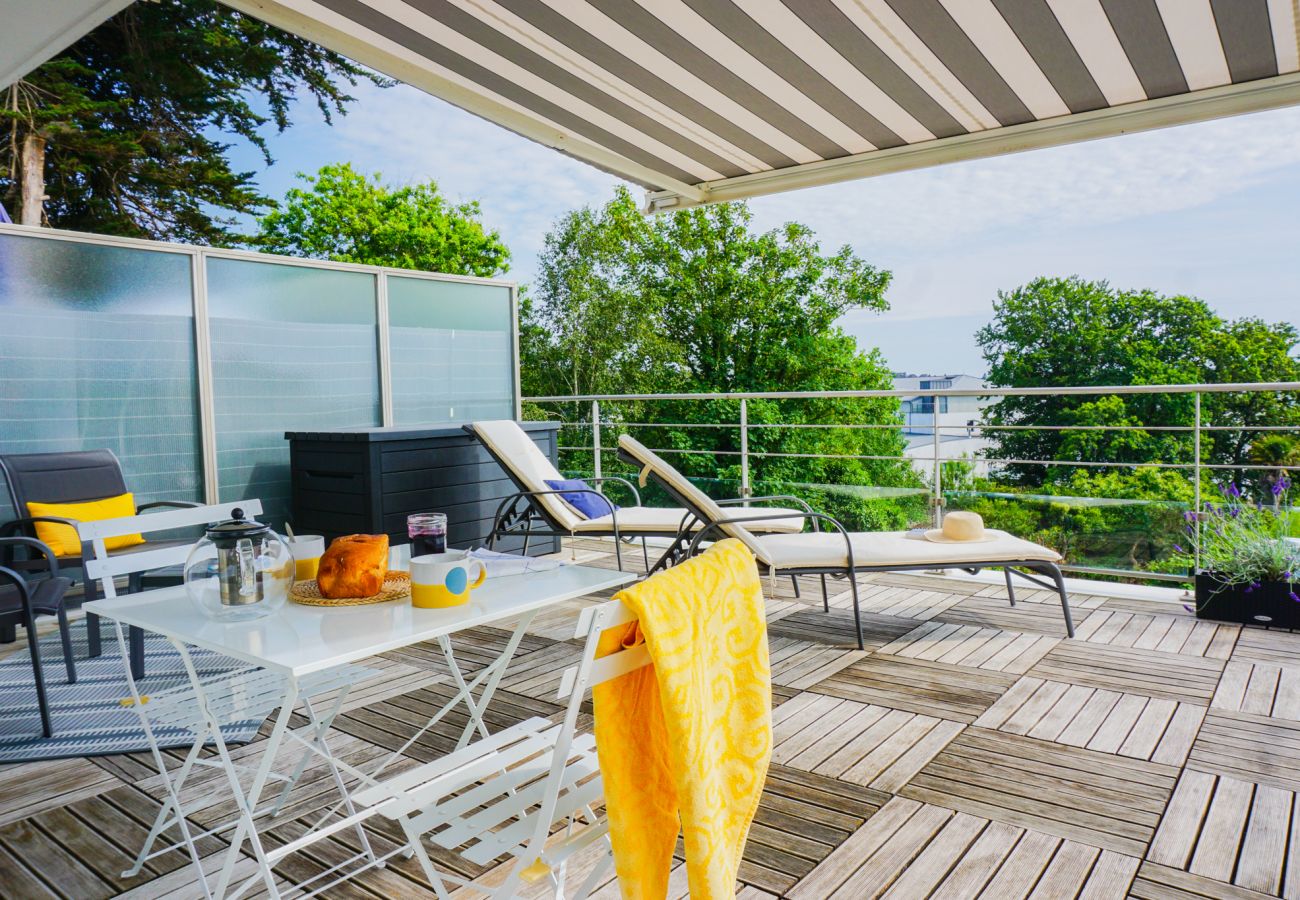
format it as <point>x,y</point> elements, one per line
<point>103,567</point>
<point>504,794</point>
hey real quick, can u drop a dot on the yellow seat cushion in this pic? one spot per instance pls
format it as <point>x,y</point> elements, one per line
<point>63,539</point>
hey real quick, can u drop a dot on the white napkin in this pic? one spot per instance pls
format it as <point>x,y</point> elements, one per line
<point>502,564</point>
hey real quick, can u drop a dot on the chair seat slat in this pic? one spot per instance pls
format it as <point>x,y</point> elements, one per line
<point>514,743</point>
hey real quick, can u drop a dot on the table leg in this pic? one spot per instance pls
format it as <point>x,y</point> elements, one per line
<point>246,830</point>
<point>173,796</point>
<point>497,668</point>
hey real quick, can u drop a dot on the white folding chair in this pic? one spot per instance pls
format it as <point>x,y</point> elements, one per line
<point>503,795</point>
<point>199,709</point>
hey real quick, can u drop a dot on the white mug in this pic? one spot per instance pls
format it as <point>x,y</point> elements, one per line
<point>439,580</point>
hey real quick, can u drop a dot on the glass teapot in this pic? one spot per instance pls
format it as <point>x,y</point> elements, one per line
<point>239,570</point>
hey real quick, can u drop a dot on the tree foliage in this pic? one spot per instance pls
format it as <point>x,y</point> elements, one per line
<point>347,217</point>
<point>1057,332</point>
<point>120,129</point>
<point>698,301</point>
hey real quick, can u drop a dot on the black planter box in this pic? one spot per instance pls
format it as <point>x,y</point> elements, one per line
<point>369,480</point>
<point>1269,604</point>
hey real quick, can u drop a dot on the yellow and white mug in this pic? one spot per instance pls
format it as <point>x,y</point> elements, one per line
<point>439,580</point>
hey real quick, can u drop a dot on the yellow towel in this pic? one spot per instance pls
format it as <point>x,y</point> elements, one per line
<point>691,736</point>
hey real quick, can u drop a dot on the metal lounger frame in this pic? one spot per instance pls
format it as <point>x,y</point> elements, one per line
<point>1042,567</point>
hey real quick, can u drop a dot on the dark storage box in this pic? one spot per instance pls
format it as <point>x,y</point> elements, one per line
<point>368,480</point>
<point>1269,604</point>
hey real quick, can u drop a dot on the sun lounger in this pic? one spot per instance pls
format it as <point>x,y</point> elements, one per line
<point>538,510</point>
<point>838,551</point>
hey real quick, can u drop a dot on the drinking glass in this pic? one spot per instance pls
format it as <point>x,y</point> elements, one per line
<point>428,533</point>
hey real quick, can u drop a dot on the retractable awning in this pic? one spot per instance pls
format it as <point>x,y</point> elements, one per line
<point>709,100</point>
<point>30,33</point>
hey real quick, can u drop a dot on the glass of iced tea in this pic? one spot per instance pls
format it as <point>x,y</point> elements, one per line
<point>428,533</point>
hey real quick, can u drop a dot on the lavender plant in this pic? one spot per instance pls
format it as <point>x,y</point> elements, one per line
<point>1243,544</point>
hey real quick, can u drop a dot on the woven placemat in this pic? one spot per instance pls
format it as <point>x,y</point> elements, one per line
<point>396,585</point>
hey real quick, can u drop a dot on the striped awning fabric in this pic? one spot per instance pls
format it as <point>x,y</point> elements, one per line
<point>705,100</point>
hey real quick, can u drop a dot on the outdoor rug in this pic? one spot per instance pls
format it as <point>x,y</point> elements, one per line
<point>88,717</point>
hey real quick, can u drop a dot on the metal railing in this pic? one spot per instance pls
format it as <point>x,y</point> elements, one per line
<point>1196,467</point>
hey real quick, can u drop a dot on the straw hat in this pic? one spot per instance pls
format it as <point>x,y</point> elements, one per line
<point>960,528</point>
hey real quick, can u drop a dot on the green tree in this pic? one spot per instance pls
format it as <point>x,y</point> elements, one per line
<point>1059,332</point>
<point>344,216</point>
<point>1281,452</point>
<point>697,301</point>
<point>120,129</point>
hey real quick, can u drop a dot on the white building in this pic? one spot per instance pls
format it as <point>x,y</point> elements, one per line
<point>957,418</point>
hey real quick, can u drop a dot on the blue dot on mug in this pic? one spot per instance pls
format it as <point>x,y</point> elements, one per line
<point>457,580</point>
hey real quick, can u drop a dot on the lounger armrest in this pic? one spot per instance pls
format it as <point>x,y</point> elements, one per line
<point>815,516</point>
<point>621,480</point>
<point>783,498</point>
<point>52,561</point>
<point>167,504</point>
<point>501,507</point>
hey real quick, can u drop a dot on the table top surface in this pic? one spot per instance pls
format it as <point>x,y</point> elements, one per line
<point>299,639</point>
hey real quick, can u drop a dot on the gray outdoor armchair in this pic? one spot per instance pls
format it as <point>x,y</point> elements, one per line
<point>70,477</point>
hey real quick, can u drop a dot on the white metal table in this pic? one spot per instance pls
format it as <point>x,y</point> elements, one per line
<point>298,651</point>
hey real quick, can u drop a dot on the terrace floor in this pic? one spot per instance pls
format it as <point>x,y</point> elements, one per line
<point>971,751</point>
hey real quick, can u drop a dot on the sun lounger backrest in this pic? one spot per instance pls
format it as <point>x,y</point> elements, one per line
<point>686,493</point>
<point>528,465</point>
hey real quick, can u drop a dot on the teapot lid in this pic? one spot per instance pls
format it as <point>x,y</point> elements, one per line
<point>236,528</point>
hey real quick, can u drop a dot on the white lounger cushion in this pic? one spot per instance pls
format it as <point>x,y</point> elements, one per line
<point>669,520</point>
<point>512,445</point>
<point>515,448</point>
<point>706,507</point>
<point>894,548</point>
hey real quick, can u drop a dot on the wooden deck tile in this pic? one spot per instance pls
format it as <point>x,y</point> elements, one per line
<point>972,646</point>
<point>799,665</point>
<point>912,849</point>
<point>1156,882</point>
<point>802,817</point>
<point>1280,648</point>
<point>915,685</point>
<point>1251,748</point>
<point>1027,594</point>
<point>994,612</point>
<point>31,787</point>
<point>1176,632</point>
<point>81,849</point>
<point>1151,673</point>
<point>902,601</point>
<point>1260,689</point>
<point>836,628</point>
<point>1102,800</point>
<point>856,742</point>
<point>1233,832</point>
<point>1107,721</point>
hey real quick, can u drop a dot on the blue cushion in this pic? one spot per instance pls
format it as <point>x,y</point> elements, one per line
<point>593,506</point>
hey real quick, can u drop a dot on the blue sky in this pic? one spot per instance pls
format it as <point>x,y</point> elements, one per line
<point>1211,210</point>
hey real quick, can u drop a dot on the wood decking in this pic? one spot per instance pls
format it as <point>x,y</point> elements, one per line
<point>971,751</point>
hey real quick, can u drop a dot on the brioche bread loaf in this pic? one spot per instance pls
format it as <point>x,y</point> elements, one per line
<point>354,566</point>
